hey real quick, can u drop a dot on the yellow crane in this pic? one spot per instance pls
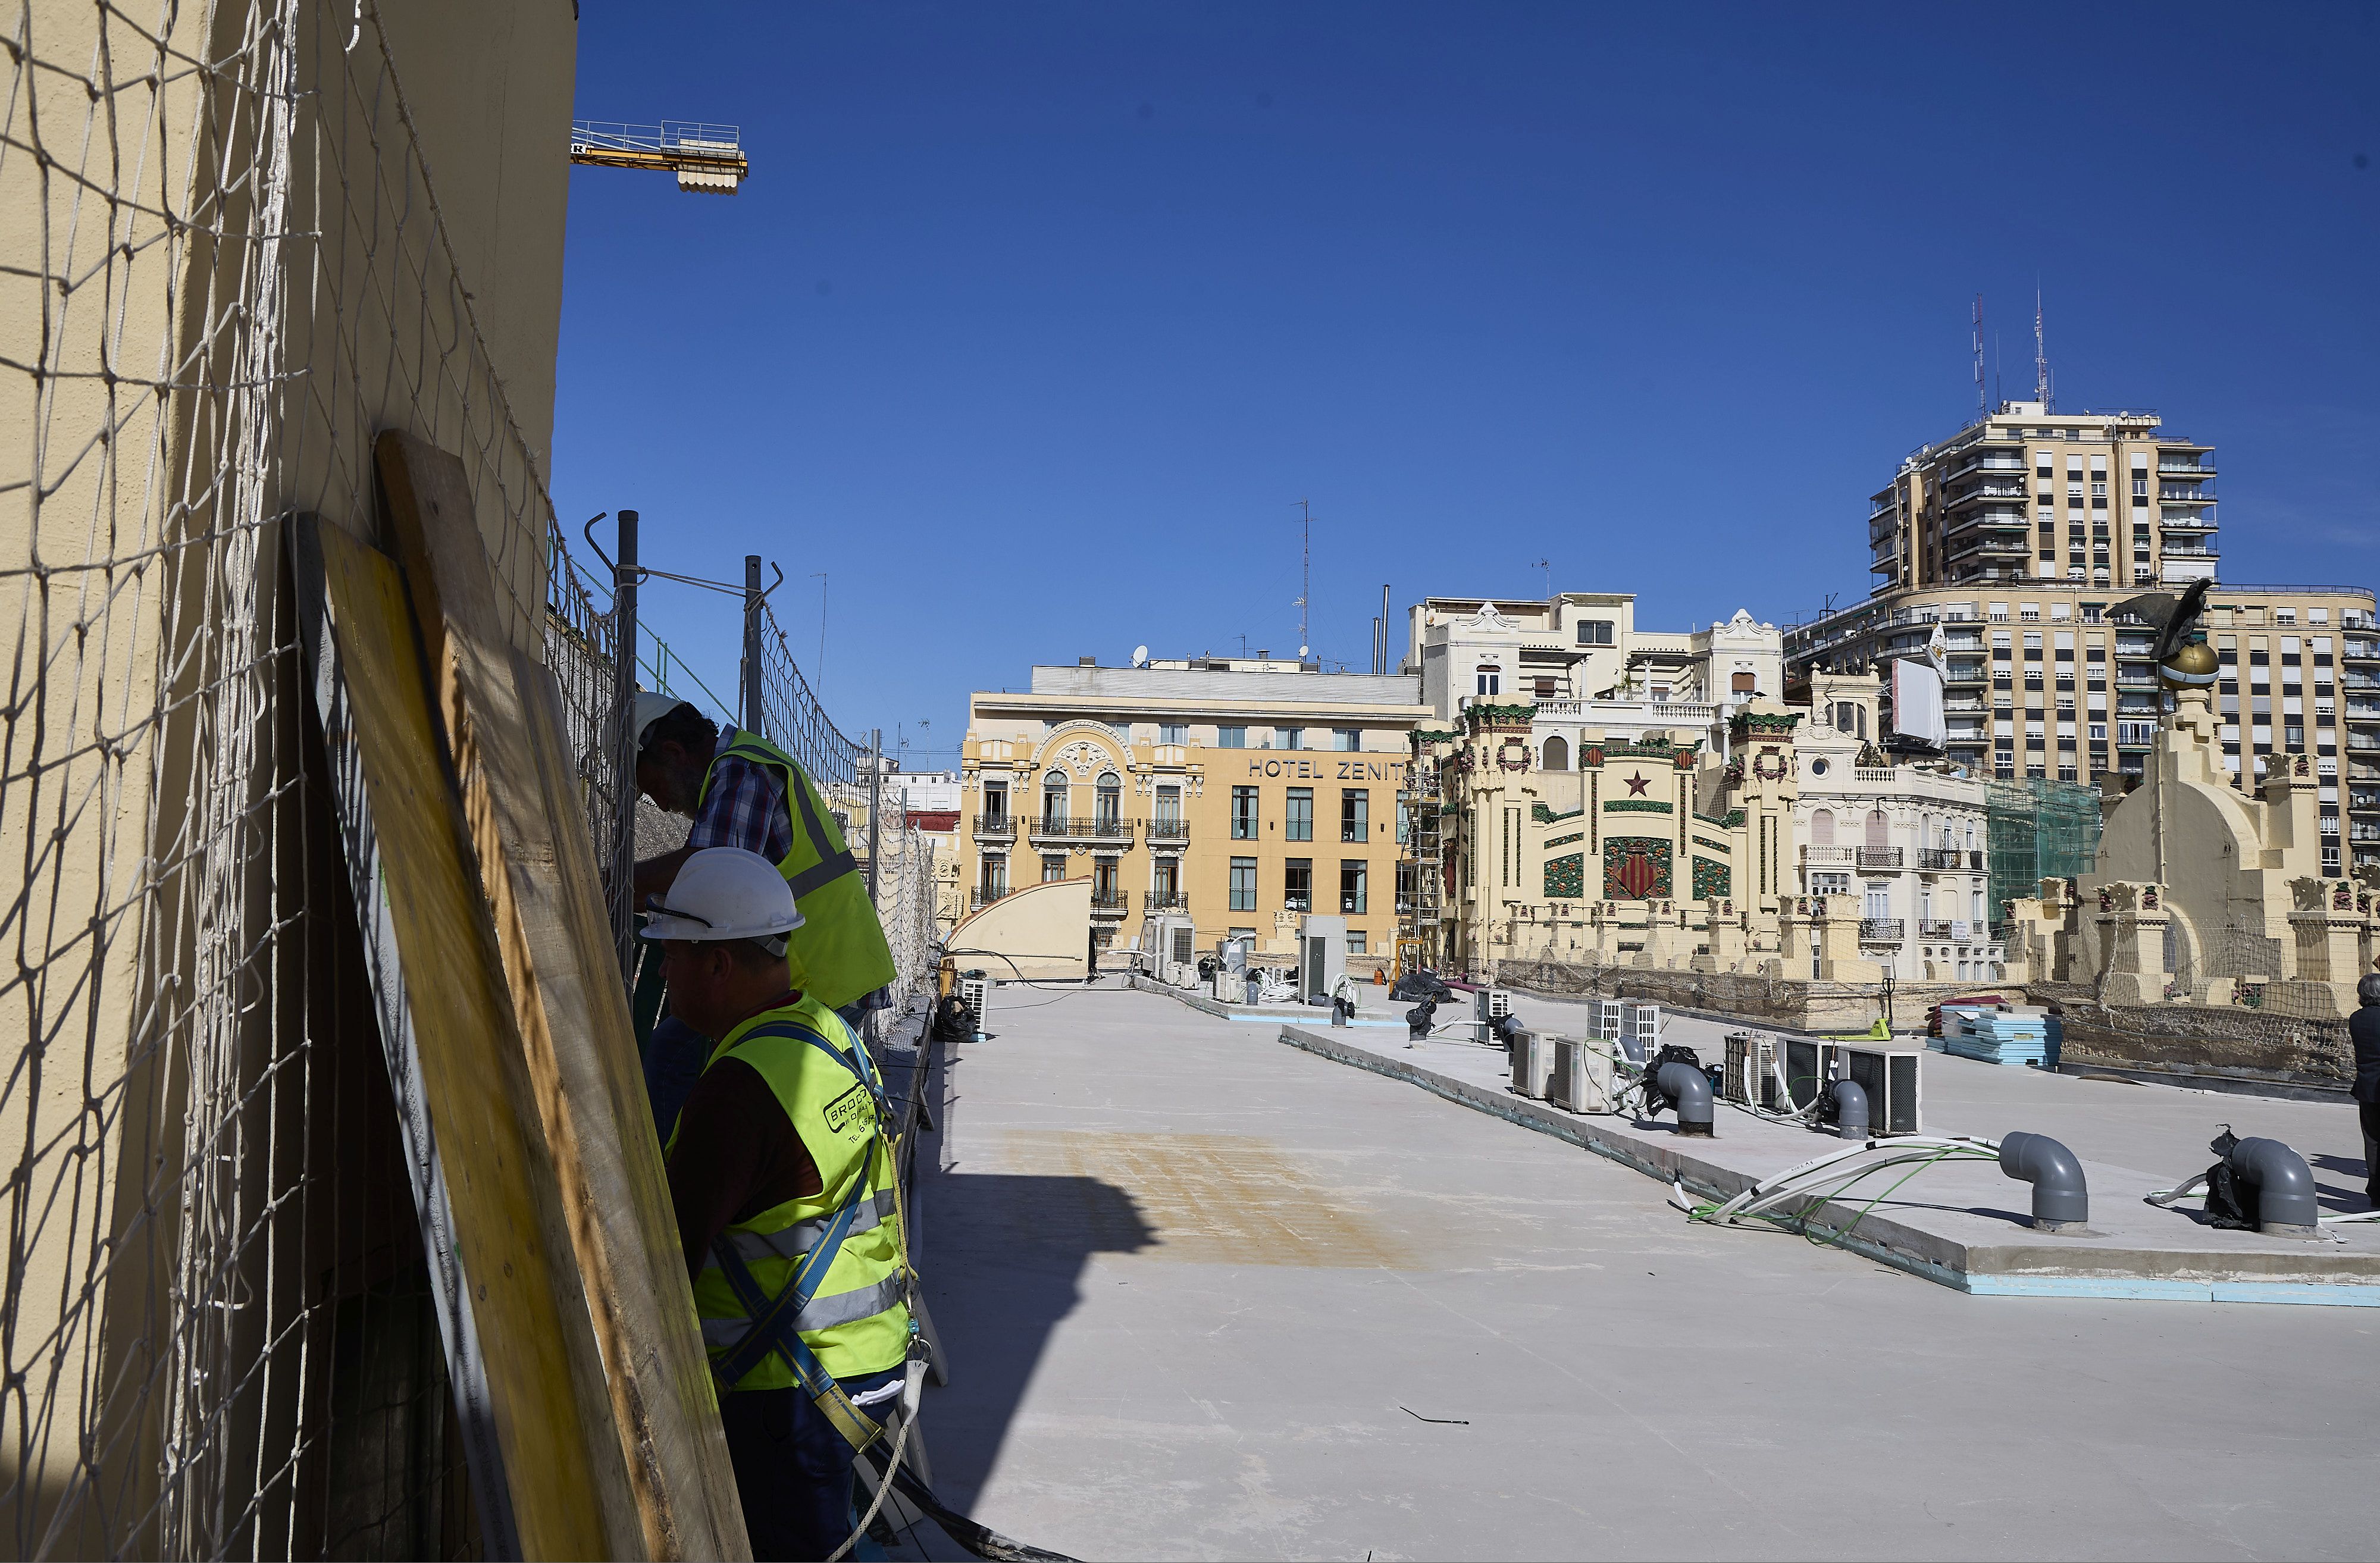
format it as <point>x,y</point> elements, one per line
<point>703,156</point>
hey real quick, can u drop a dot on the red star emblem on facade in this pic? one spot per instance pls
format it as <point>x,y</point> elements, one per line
<point>1637,783</point>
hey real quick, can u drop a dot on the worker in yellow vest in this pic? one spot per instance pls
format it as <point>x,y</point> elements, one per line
<point>787,1206</point>
<point>742,791</point>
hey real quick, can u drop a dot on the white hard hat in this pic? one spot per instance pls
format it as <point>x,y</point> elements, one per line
<point>650,709</point>
<point>723,893</point>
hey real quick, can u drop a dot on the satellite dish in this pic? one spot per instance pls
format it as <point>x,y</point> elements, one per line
<point>1301,651</point>
<point>1139,656</point>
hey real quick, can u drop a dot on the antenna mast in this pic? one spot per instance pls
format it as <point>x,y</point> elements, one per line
<point>1304,574</point>
<point>1982,407</point>
<point>2040,357</point>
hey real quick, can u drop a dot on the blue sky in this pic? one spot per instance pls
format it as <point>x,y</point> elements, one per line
<point>1035,323</point>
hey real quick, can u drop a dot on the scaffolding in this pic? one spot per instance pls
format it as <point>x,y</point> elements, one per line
<point>2038,829</point>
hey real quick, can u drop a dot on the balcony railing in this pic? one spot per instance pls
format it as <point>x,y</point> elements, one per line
<point>1948,857</point>
<point>1164,901</point>
<point>1168,831</point>
<point>1113,903</point>
<point>1083,829</point>
<point>984,895</point>
<point>1826,855</point>
<point>995,825</point>
<point>2187,468</point>
<point>1933,928</point>
<point>2185,496</point>
<point>1878,857</point>
<point>1880,931</point>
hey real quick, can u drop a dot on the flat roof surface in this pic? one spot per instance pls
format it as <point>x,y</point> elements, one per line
<point>1199,1290</point>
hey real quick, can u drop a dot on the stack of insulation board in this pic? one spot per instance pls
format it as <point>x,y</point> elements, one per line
<point>2003,1037</point>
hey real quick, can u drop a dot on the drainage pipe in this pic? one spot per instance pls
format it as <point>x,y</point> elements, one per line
<point>2061,1199</point>
<point>2283,1184</point>
<point>1688,1089</point>
<point>1850,1109</point>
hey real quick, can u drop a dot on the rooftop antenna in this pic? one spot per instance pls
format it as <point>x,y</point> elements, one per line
<point>1305,572</point>
<point>1547,565</point>
<point>2040,357</point>
<point>1982,407</point>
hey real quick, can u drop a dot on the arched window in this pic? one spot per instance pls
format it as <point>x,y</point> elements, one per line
<point>1925,831</point>
<point>1557,755</point>
<point>1822,828</point>
<point>1876,829</point>
<point>1053,795</point>
<point>1861,712</point>
<point>1110,797</point>
<point>1490,678</point>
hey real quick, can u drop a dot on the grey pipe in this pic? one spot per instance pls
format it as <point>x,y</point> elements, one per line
<point>1851,1109</point>
<point>2062,1198</point>
<point>1689,1089</point>
<point>2284,1199</point>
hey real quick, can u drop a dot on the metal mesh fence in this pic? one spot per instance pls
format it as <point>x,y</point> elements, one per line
<point>2036,830</point>
<point>224,268</point>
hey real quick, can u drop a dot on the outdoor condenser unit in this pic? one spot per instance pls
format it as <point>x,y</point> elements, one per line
<point>1533,1060</point>
<point>1488,1006</point>
<point>1750,1078</point>
<point>1888,1075</point>
<point>975,992</point>
<point>1809,1064</point>
<point>1581,1080</point>
<point>1640,1029</point>
<point>1603,1018</point>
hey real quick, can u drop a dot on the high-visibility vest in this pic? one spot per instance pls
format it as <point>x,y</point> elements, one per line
<point>839,953</point>
<point>856,1321</point>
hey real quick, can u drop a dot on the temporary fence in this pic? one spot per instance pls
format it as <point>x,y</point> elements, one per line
<point>226,269</point>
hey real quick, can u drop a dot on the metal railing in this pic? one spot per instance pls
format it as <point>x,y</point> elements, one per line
<point>1879,857</point>
<point>1112,902</point>
<point>1169,830</point>
<point>1060,827</point>
<point>1164,901</point>
<point>1880,931</point>
<point>984,895</point>
<point>1933,928</point>
<point>1948,857</point>
<point>995,825</point>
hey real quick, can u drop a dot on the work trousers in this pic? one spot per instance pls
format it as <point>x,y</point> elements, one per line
<point>2370,1113</point>
<point>675,1055</point>
<point>793,1470</point>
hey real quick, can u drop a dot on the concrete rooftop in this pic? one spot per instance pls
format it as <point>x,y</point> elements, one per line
<point>1199,1289</point>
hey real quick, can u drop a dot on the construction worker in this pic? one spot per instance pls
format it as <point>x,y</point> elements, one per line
<point>2363,1032</point>
<point>783,1184</point>
<point>742,791</point>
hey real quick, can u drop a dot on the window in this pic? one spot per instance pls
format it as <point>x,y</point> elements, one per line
<point>1353,891</point>
<point>1244,814</point>
<point>1595,632</point>
<point>1168,804</point>
<point>1297,884</point>
<point>1355,942</point>
<point>1173,733</point>
<point>995,800</point>
<point>1053,797</point>
<point>1347,740</point>
<point>1742,683</point>
<point>1244,933</point>
<point>1298,821</point>
<point>995,877</point>
<point>1231,737</point>
<point>1053,866</point>
<point>1557,756</point>
<point>1489,679</point>
<point>1878,903</point>
<point>1244,884</point>
<point>1108,801</point>
<point>1290,737</point>
<point>1830,884</point>
<point>1356,815</point>
<point>1542,688</point>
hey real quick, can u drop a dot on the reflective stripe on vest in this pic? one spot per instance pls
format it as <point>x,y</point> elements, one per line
<point>855,1322</point>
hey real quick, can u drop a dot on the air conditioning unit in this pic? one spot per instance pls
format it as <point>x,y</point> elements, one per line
<point>1533,1060</point>
<point>975,992</point>
<point>1809,1065</point>
<point>1751,1076</point>
<point>1603,1018</point>
<point>1489,1005</point>
<point>1581,1078</point>
<point>1890,1076</point>
<point>1640,1029</point>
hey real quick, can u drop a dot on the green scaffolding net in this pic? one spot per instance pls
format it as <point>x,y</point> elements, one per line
<point>2036,830</point>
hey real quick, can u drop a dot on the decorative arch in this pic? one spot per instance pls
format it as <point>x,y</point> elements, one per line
<point>1557,755</point>
<point>1822,826</point>
<point>1879,832</point>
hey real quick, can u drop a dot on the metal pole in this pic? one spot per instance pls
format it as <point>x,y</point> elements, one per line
<point>875,801</point>
<point>756,717</point>
<point>623,699</point>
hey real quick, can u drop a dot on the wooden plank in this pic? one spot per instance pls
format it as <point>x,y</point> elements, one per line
<point>537,872</point>
<point>485,1187</point>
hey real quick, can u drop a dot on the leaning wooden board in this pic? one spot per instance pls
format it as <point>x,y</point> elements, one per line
<point>538,871</point>
<point>509,1303</point>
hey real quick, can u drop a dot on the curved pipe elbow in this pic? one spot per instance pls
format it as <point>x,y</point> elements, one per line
<point>2285,1195</point>
<point>2060,1196</point>
<point>1851,1109</point>
<point>1690,1090</point>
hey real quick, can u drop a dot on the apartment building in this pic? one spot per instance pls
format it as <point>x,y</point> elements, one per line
<point>1245,792</point>
<point>2021,534</point>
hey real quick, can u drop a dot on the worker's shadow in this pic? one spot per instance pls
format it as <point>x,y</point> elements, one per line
<point>1002,1262</point>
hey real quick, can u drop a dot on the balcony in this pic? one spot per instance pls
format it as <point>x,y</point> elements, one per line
<point>2187,468</point>
<point>984,895</point>
<point>1880,931</point>
<point>2185,496</point>
<point>1936,859</point>
<point>1823,855</point>
<point>2187,523</point>
<point>995,826</point>
<point>2360,651</point>
<point>2192,551</point>
<point>1168,833</point>
<point>1164,901</point>
<point>1982,492</point>
<point>1933,928</point>
<point>1111,903</point>
<point>1056,827</point>
<point>1878,857</point>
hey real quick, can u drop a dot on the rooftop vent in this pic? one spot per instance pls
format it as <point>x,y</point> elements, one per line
<point>1086,661</point>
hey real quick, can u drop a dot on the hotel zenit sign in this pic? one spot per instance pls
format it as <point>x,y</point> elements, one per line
<point>1330,768</point>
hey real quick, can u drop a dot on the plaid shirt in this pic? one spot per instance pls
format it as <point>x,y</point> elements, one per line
<point>746,808</point>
